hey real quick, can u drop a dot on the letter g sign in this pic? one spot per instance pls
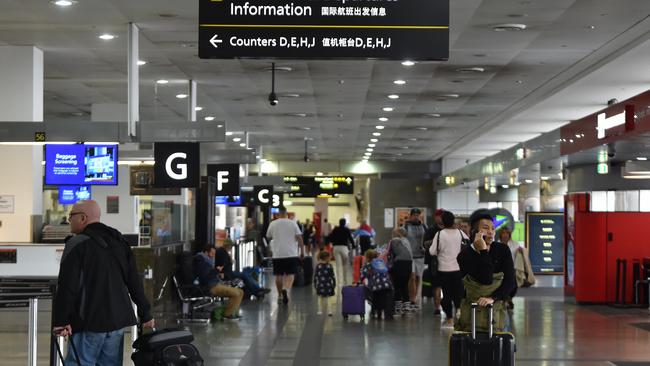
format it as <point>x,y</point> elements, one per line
<point>182,167</point>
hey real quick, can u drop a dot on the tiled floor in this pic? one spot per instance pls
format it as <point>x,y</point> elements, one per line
<point>548,332</point>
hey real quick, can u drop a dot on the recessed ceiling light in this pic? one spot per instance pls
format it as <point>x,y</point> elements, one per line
<point>141,63</point>
<point>374,140</point>
<point>505,186</point>
<point>505,27</point>
<point>408,63</point>
<point>371,145</point>
<point>544,178</point>
<point>181,96</point>
<point>63,3</point>
<point>433,115</point>
<point>229,133</point>
<point>388,109</point>
<point>370,149</point>
<point>219,126</point>
<point>243,144</point>
<point>290,95</point>
<point>297,114</point>
<point>383,119</point>
<point>320,174</point>
<point>421,128</point>
<point>198,109</point>
<point>107,36</point>
<point>393,96</point>
<point>209,118</point>
<point>449,95</point>
<point>399,82</point>
<point>162,81</point>
<point>376,134</point>
<point>413,139</point>
<point>641,158</point>
<point>236,139</point>
<point>528,181</point>
<point>470,70</point>
<point>380,127</point>
<point>367,153</point>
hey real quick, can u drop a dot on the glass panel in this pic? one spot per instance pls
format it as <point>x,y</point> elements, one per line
<point>598,201</point>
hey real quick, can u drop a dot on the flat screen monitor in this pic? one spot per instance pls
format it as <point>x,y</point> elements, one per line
<point>81,164</point>
<point>228,200</point>
<point>69,195</point>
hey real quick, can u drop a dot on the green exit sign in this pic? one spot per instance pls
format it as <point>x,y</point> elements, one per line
<point>602,168</point>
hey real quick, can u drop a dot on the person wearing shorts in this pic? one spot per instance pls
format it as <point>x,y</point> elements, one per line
<point>286,250</point>
<point>415,229</point>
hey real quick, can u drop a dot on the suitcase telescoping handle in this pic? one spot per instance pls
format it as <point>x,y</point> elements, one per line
<point>74,351</point>
<point>490,320</point>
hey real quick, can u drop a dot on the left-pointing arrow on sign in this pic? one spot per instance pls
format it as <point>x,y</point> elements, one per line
<point>215,41</point>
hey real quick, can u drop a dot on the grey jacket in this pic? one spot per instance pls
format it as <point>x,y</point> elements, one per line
<point>400,250</point>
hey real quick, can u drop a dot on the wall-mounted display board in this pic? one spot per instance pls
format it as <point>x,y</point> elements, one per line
<point>545,241</point>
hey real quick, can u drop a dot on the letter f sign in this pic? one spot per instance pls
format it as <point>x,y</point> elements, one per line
<point>222,178</point>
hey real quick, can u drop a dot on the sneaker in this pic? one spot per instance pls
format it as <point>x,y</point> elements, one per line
<point>232,317</point>
<point>414,306</point>
<point>285,297</point>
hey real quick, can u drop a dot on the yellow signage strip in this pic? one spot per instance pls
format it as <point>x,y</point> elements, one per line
<point>324,26</point>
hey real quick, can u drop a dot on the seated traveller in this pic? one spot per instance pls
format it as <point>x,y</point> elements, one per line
<point>489,275</point>
<point>223,262</point>
<point>211,279</point>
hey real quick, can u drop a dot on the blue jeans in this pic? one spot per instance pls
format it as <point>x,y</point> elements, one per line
<point>250,285</point>
<point>101,349</point>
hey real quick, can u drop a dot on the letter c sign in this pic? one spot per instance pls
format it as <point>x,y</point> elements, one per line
<point>263,195</point>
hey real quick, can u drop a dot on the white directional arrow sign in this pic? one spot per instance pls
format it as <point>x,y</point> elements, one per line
<point>348,180</point>
<point>215,41</point>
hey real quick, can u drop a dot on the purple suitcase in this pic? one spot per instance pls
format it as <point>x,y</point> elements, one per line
<point>354,301</point>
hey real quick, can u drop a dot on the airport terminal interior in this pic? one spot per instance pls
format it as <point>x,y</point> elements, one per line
<point>372,131</point>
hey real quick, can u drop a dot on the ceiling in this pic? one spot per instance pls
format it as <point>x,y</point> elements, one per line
<point>336,104</point>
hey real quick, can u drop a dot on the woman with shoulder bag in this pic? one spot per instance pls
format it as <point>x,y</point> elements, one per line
<point>445,248</point>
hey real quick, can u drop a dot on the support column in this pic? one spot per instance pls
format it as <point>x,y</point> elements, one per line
<point>21,99</point>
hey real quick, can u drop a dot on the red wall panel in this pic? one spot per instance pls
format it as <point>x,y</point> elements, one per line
<point>590,257</point>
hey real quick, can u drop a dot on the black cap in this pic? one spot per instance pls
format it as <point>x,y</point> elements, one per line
<point>415,211</point>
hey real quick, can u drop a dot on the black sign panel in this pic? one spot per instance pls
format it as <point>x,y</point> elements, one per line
<point>178,164</point>
<point>278,200</point>
<point>227,176</point>
<point>263,195</point>
<point>319,186</point>
<point>324,29</point>
<point>545,239</point>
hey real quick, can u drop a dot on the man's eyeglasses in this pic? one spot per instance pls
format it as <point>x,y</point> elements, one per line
<point>74,213</point>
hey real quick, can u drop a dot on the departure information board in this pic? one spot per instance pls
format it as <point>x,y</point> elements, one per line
<point>319,186</point>
<point>324,29</point>
<point>545,241</point>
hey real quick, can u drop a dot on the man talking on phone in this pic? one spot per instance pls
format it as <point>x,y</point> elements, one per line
<point>489,274</point>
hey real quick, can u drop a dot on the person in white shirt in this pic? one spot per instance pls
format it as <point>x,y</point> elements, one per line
<point>447,245</point>
<point>286,249</point>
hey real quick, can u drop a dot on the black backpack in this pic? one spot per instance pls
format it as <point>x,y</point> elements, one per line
<point>167,347</point>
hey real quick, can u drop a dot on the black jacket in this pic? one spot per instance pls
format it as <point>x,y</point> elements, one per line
<point>222,259</point>
<point>97,275</point>
<point>481,265</point>
<point>341,235</point>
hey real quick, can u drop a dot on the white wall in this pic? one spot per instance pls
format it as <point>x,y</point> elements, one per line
<point>459,201</point>
<point>334,213</point>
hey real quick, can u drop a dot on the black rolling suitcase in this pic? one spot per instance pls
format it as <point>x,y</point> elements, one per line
<point>482,349</point>
<point>166,347</point>
<point>307,264</point>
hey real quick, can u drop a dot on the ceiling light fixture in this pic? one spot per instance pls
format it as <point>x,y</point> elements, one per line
<point>393,96</point>
<point>209,118</point>
<point>412,139</point>
<point>470,70</point>
<point>399,82</point>
<point>376,134</point>
<point>505,186</point>
<point>371,145</point>
<point>528,181</point>
<point>544,178</point>
<point>243,144</point>
<point>273,98</point>
<point>388,109</point>
<point>162,81</point>
<point>383,119</point>
<point>63,3</point>
<point>236,139</point>
<point>142,63</point>
<point>229,133</point>
<point>181,96</point>
<point>641,158</point>
<point>506,27</point>
<point>320,174</point>
<point>380,127</point>
<point>408,63</point>
<point>421,128</point>
<point>198,109</point>
<point>107,36</point>
<point>370,149</point>
<point>374,140</point>
<point>433,115</point>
